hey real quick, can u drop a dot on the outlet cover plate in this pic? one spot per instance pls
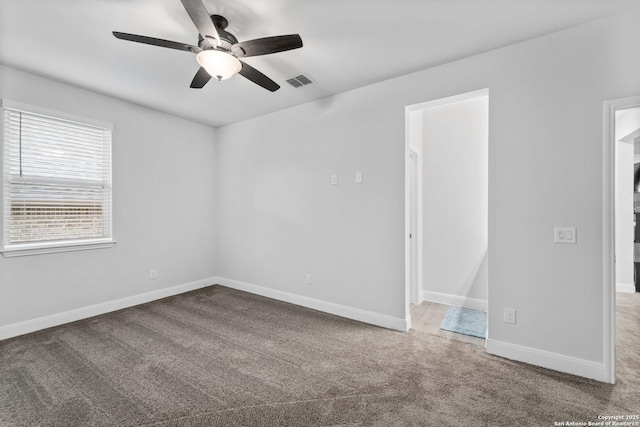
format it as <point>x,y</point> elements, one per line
<point>510,316</point>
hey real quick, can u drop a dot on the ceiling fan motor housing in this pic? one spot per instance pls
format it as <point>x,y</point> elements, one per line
<point>226,39</point>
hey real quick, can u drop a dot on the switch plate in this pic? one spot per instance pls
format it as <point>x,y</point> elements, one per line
<point>358,177</point>
<point>564,235</point>
<point>334,179</point>
<point>510,316</point>
<point>308,279</point>
<point>153,274</point>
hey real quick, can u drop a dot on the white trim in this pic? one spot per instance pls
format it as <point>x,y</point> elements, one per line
<point>21,106</point>
<point>360,315</point>
<point>448,100</point>
<point>415,295</point>
<point>608,244</point>
<point>42,248</point>
<point>631,137</point>
<point>608,233</point>
<point>549,360</point>
<point>407,322</point>
<point>57,319</point>
<point>456,300</point>
<point>626,288</point>
<point>407,215</point>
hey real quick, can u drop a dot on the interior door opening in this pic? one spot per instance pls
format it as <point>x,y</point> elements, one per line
<point>446,204</point>
<point>627,199</point>
<point>622,133</point>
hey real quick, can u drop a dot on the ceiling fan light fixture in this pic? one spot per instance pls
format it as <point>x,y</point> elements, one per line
<point>218,64</point>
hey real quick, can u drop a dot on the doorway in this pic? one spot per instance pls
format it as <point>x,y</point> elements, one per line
<point>618,208</point>
<point>627,199</point>
<point>446,202</point>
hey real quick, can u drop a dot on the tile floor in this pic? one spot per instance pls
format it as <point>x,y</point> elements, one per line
<point>428,316</point>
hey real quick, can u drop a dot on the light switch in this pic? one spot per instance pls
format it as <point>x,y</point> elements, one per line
<point>358,177</point>
<point>564,235</point>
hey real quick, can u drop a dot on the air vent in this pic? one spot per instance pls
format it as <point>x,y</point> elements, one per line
<point>299,81</point>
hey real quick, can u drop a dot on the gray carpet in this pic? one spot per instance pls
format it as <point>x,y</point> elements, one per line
<point>220,357</point>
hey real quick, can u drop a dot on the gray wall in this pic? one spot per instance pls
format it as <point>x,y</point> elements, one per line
<point>279,217</point>
<point>163,174</point>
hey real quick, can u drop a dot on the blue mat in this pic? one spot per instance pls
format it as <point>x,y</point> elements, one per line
<point>465,321</point>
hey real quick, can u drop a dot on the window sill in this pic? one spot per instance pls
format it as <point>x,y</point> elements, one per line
<point>39,249</point>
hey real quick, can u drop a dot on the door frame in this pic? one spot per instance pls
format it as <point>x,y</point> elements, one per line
<point>608,217</point>
<point>415,232</point>
<point>413,132</point>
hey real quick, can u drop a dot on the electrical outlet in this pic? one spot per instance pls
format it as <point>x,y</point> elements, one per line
<point>334,179</point>
<point>358,177</point>
<point>153,274</point>
<point>308,279</point>
<point>510,316</point>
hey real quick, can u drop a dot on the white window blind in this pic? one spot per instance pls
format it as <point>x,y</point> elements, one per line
<point>57,181</point>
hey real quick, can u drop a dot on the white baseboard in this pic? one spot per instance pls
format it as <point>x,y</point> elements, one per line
<point>57,319</point>
<point>456,300</point>
<point>547,359</point>
<point>625,287</point>
<point>370,317</point>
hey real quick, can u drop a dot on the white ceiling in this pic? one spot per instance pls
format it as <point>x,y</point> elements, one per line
<point>347,44</point>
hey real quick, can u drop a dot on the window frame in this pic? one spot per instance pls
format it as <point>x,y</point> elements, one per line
<point>45,247</point>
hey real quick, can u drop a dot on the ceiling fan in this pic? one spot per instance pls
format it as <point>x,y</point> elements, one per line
<point>218,51</point>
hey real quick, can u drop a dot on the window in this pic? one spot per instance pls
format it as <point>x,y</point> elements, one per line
<point>56,182</point>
